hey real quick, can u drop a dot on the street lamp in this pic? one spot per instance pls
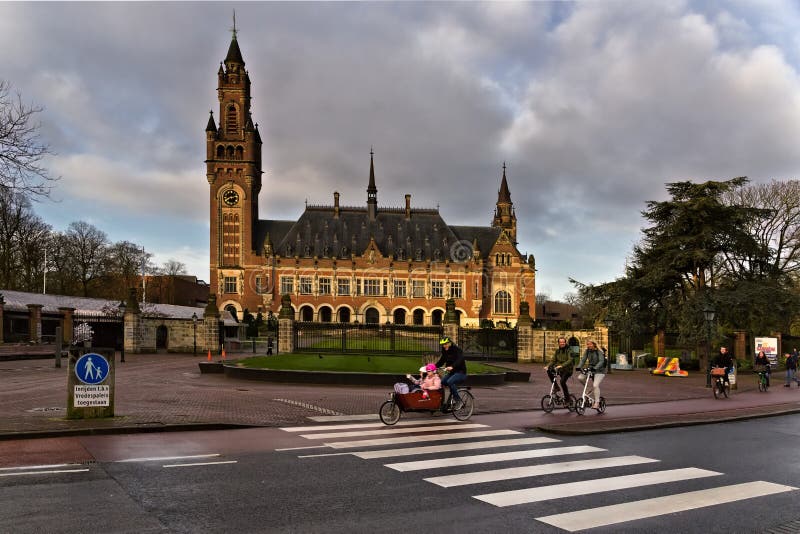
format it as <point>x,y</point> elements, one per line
<point>194,331</point>
<point>544,342</point>
<point>122,311</point>
<point>708,313</point>
<point>609,322</point>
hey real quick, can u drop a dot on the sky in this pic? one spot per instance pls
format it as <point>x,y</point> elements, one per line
<point>593,106</point>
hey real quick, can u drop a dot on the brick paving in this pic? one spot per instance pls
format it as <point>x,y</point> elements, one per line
<point>167,391</point>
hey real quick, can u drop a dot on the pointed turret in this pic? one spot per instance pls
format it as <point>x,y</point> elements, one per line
<point>211,126</point>
<point>504,216</point>
<point>372,191</point>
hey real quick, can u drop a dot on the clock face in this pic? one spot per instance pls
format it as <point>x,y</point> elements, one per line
<point>230,197</point>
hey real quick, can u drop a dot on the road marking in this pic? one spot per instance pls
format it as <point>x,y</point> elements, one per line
<point>368,425</point>
<point>328,454</point>
<point>162,458</point>
<point>302,448</point>
<point>670,504</point>
<point>329,418</point>
<point>598,485</point>
<point>418,439</point>
<point>480,477</point>
<point>48,466</point>
<point>201,463</point>
<point>385,431</point>
<point>487,458</point>
<point>308,406</point>
<point>48,472</point>
<point>410,451</point>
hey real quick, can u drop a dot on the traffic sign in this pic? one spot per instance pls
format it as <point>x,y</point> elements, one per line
<point>91,368</point>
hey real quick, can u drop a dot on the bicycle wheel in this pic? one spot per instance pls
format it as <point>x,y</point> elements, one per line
<point>548,404</point>
<point>762,386</point>
<point>467,405</point>
<point>717,389</point>
<point>580,406</point>
<point>572,403</point>
<point>389,412</point>
<point>602,408</point>
<point>726,389</point>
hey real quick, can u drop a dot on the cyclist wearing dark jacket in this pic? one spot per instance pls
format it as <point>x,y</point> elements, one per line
<point>452,359</point>
<point>724,359</point>
<point>562,363</point>
<point>761,359</point>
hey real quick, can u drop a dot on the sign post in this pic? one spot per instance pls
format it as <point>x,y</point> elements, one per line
<point>90,383</point>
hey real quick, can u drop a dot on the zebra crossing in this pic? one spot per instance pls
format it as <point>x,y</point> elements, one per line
<point>549,456</point>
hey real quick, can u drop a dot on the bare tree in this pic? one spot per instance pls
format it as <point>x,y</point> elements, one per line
<point>173,267</point>
<point>88,247</point>
<point>21,148</point>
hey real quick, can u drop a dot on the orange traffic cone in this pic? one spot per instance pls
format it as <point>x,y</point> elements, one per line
<point>209,354</point>
<point>223,353</point>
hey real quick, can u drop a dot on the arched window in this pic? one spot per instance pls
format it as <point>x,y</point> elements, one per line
<point>344,315</point>
<point>231,119</point>
<point>436,317</point>
<point>230,308</point>
<point>307,313</point>
<point>325,314</point>
<point>419,317</point>
<point>220,152</point>
<point>230,152</point>
<point>399,316</point>
<point>372,316</point>
<point>239,152</point>
<point>502,302</point>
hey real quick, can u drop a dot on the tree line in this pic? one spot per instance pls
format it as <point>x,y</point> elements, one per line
<point>730,247</point>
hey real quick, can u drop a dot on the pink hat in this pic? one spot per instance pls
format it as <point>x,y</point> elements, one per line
<point>430,367</point>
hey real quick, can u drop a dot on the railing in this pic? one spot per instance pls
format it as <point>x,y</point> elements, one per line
<point>353,337</point>
<point>488,343</point>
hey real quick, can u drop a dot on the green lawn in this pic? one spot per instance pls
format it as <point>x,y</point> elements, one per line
<point>351,363</point>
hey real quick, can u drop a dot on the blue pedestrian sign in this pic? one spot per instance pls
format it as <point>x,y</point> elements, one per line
<point>91,368</point>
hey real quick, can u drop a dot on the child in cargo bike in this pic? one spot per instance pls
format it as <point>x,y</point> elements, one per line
<point>429,379</point>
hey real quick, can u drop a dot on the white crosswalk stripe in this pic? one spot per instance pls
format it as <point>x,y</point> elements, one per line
<point>670,504</point>
<point>510,473</point>
<point>405,439</point>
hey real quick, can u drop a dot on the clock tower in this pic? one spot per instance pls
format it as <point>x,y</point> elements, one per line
<point>233,170</point>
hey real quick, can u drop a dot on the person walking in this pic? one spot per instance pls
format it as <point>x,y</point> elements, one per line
<point>791,369</point>
<point>453,361</point>
<point>593,359</point>
<point>561,363</point>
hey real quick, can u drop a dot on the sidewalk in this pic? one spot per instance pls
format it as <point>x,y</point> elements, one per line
<point>167,392</point>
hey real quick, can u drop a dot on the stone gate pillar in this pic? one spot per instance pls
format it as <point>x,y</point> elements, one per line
<point>211,326</point>
<point>35,323</point>
<point>132,324</point>
<point>286,325</point>
<point>659,344</point>
<point>524,334</point>
<point>740,345</point>
<point>450,320</point>
<point>67,324</point>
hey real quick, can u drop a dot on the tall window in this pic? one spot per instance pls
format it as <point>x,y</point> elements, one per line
<point>324,286</point>
<point>418,289</point>
<point>305,285</point>
<point>502,302</point>
<point>231,119</point>
<point>287,285</point>
<point>230,284</point>
<point>230,238</point>
<point>437,289</point>
<point>400,289</point>
<point>343,287</point>
<point>262,284</point>
<point>456,290</point>
<point>372,287</point>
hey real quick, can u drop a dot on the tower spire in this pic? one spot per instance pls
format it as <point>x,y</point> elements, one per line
<point>233,30</point>
<point>372,190</point>
<point>504,216</point>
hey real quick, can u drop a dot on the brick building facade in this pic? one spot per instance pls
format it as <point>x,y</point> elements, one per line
<point>338,263</point>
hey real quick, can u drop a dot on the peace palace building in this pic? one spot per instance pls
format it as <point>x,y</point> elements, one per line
<point>339,263</point>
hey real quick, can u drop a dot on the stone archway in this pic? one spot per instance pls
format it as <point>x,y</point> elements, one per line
<point>372,316</point>
<point>307,313</point>
<point>162,337</point>
<point>399,316</point>
<point>344,315</point>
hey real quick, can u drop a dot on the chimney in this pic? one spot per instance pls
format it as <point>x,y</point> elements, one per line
<point>408,207</point>
<point>335,204</point>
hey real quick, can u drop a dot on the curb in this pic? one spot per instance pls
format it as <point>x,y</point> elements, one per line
<point>139,429</point>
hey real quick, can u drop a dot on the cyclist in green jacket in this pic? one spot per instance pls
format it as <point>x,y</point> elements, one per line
<point>561,363</point>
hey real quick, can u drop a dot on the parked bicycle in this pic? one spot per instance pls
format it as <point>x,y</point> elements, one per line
<point>720,388</point>
<point>761,372</point>
<point>556,398</point>
<point>587,398</point>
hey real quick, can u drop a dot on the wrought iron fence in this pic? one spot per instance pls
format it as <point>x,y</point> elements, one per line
<point>352,337</point>
<point>489,343</point>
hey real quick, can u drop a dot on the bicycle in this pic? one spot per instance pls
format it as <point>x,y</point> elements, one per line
<point>587,398</point>
<point>554,398</point>
<point>399,403</point>
<point>761,371</point>
<point>719,387</point>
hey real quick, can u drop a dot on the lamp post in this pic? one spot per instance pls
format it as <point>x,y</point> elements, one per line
<point>122,311</point>
<point>544,342</point>
<point>609,323</point>
<point>708,313</point>
<point>194,331</point>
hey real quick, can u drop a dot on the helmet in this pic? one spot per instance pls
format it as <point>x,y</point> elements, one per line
<point>444,340</point>
<point>430,367</point>
<point>423,369</point>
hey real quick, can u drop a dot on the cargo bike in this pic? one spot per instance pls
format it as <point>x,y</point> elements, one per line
<point>399,403</point>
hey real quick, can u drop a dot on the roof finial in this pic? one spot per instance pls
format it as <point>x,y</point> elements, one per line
<point>234,25</point>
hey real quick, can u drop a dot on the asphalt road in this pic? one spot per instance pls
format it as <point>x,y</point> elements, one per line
<point>318,479</point>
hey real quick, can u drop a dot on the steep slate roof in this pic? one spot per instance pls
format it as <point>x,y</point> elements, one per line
<point>234,54</point>
<point>319,233</point>
<point>486,236</point>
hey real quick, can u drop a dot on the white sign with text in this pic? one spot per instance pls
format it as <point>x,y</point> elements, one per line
<point>88,396</point>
